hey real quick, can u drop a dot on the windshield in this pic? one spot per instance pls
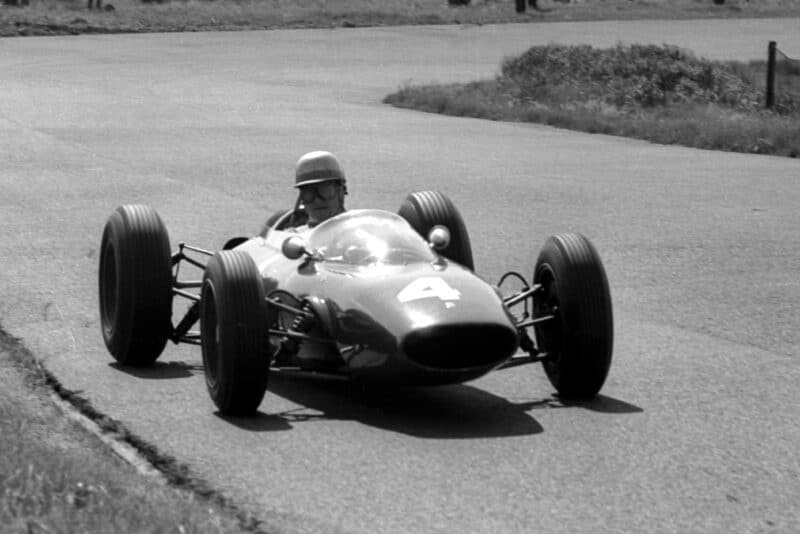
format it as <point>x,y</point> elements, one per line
<point>364,237</point>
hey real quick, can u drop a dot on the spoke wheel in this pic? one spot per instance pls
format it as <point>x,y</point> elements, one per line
<point>109,290</point>
<point>209,336</point>
<point>548,333</point>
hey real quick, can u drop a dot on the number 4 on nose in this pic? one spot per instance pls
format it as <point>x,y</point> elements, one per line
<point>428,287</point>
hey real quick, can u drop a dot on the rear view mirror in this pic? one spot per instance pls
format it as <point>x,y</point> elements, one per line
<point>439,237</point>
<point>295,247</point>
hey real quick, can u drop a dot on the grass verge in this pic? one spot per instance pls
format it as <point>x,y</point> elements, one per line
<point>60,17</point>
<point>54,477</point>
<point>657,93</point>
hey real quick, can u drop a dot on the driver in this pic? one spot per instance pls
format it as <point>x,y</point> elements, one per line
<point>322,187</point>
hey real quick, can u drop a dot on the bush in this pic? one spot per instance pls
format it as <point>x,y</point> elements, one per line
<point>631,76</point>
<point>659,93</point>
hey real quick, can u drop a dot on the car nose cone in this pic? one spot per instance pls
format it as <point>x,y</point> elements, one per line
<point>459,346</point>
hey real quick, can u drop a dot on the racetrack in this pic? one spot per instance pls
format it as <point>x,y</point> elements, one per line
<point>697,427</point>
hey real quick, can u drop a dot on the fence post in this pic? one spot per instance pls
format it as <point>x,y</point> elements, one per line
<point>520,6</point>
<point>771,74</point>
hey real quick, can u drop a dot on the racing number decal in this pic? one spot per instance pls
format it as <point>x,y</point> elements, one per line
<point>428,287</point>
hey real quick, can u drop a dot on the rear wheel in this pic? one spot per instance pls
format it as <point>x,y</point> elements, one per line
<point>425,209</point>
<point>579,340</point>
<point>135,285</point>
<point>234,319</point>
<point>284,219</point>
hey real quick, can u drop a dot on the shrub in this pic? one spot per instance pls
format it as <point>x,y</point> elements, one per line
<point>660,93</point>
<point>631,76</point>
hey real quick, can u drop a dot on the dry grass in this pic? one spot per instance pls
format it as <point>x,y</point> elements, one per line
<point>55,478</point>
<point>52,17</point>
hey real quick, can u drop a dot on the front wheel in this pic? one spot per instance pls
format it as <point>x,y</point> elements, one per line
<point>579,340</point>
<point>233,323</point>
<point>135,285</point>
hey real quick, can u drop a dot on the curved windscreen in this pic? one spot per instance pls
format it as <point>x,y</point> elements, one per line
<point>364,237</point>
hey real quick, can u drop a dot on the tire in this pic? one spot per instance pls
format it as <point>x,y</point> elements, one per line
<point>580,339</point>
<point>425,209</point>
<point>135,285</point>
<point>297,218</point>
<point>234,242</point>
<point>233,331</point>
<point>274,218</point>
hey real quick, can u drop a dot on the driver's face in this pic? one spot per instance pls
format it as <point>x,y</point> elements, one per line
<point>322,201</point>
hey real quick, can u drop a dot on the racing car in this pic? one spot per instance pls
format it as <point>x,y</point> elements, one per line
<point>367,295</point>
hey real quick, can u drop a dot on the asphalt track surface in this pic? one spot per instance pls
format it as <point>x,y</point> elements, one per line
<point>697,427</point>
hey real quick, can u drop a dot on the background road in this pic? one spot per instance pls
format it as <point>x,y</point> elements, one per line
<point>697,427</point>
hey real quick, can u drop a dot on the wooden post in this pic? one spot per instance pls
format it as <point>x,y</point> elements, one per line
<point>771,74</point>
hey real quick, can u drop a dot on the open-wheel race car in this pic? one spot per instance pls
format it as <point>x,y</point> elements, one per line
<point>367,295</point>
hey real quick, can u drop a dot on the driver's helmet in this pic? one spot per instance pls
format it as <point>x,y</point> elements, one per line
<point>317,167</point>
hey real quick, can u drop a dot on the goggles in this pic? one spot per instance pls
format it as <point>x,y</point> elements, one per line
<point>324,190</point>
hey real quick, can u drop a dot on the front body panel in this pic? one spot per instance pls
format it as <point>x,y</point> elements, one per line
<point>417,323</point>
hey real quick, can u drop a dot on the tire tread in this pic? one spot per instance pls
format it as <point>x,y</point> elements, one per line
<point>425,209</point>
<point>586,315</point>
<point>144,277</point>
<point>243,364</point>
